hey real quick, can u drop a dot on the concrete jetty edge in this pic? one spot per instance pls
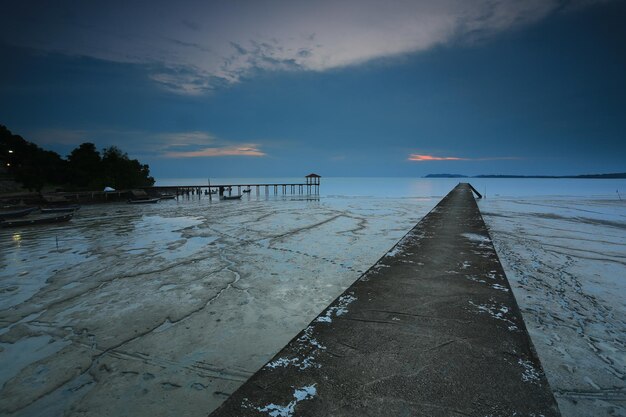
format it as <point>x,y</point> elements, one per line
<point>432,329</point>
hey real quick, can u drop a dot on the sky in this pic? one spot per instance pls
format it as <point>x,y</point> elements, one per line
<point>341,88</point>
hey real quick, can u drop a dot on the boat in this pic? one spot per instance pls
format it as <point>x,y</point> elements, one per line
<point>14,213</point>
<point>37,220</point>
<point>168,197</point>
<point>231,197</point>
<point>144,201</point>
<point>141,197</point>
<point>246,191</point>
<point>56,200</point>
<point>60,209</point>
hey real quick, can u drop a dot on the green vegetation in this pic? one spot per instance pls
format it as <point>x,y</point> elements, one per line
<point>84,168</point>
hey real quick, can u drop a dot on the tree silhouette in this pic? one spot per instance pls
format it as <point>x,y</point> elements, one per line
<point>119,171</point>
<point>29,164</point>
<point>84,168</point>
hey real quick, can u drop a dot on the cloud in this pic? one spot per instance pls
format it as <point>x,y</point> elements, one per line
<point>58,136</point>
<point>184,139</point>
<point>239,150</point>
<point>418,157</point>
<point>198,46</point>
<point>194,145</point>
<point>423,158</point>
<point>191,144</point>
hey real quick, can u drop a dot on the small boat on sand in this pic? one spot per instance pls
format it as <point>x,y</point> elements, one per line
<point>14,213</point>
<point>60,209</point>
<point>59,218</point>
<point>144,201</point>
<point>141,197</point>
<point>167,196</point>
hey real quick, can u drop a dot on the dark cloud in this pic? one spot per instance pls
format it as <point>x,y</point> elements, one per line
<point>190,45</point>
<point>190,24</point>
<point>240,49</point>
<point>298,34</point>
<point>304,53</point>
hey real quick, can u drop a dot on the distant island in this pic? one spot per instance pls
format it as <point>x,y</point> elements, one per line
<point>619,175</point>
<point>445,176</point>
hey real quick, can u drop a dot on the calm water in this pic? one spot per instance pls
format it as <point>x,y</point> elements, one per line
<point>438,187</point>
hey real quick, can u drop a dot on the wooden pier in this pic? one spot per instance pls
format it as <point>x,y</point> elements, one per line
<point>237,189</point>
<point>310,187</point>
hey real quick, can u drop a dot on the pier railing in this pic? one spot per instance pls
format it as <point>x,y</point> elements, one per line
<point>258,189</point>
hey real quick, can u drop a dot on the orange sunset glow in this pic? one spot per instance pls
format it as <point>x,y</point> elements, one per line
<point>243,150</point>
<point>420,158</point>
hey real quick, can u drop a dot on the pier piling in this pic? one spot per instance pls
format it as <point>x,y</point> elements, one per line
<point>312,184</point>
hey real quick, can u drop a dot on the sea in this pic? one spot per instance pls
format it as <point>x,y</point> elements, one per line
<point>167,308</point>
<point>410,187</point>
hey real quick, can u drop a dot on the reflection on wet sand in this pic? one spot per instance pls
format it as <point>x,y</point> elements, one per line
<point>167,308</point>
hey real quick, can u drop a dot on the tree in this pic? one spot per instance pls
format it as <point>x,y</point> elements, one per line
<point>119,171</point>
<point>85,166</point>
<point>29,164</point>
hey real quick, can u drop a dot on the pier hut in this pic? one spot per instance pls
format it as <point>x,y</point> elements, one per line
<point>313,183</point>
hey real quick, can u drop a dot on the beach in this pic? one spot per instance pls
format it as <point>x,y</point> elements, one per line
<point>566,262</point>
<point>165,309</point>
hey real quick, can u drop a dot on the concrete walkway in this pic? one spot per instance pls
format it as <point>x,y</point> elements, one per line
<point>431,330</point>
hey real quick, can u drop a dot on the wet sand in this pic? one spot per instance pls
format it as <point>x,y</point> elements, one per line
<point>165,310</point>
<point>137,311</point>
<point>566,261</point>
<point>432,329</point>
